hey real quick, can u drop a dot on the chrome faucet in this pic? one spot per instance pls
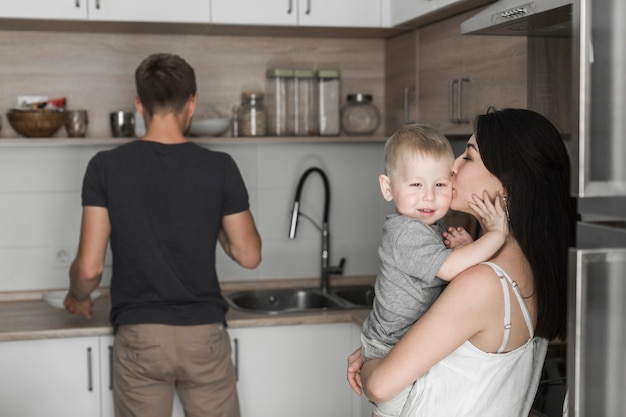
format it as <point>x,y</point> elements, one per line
<point>326,269</point>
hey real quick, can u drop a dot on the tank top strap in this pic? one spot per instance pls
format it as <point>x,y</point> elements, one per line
<point>504,277</point>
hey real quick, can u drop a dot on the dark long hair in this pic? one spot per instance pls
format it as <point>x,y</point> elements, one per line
<point>527,154</point>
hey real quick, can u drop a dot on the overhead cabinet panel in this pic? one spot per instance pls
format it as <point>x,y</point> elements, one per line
<point>189,11</point>
<point>44,9</point>
<point>255,12</point>
<point>345,13</point>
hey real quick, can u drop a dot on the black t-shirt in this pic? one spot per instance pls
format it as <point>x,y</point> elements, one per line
<point>165,205</point>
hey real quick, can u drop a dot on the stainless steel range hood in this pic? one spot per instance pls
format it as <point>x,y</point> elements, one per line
<point>522,18</point>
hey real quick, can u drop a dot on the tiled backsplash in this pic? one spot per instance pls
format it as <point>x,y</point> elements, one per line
<point>40,209</point>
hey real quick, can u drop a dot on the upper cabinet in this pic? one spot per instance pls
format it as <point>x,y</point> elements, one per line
<point>44,9</point>
<point>320,13</point>
<point>461,76</point>
<point>403,11</point>
<point>345,13</point>
<point>191,11</point>
<point>255,12</point>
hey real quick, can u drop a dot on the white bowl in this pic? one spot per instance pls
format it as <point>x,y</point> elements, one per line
<point>209,127</point>
<point>55,298</point>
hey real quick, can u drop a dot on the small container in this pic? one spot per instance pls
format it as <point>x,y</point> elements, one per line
<point>76,123</point>
<point>328,94</point>
<point>359,116</point>
<point>305,120</point>
<point>122,124</point>
<point>279,102</point>
<point>252,114</point>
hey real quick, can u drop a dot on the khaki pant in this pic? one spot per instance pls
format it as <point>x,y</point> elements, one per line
<point>153,360</point>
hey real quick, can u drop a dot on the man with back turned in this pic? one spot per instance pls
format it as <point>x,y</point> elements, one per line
<point>164,203</point>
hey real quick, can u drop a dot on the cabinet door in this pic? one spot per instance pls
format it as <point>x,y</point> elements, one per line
<point>50,377</point>
<point>494,68</point>
<point>255,12</point>
<point>189,11</point>
<point>294,370</point>
<point>44,9</point>
<point>405,10</point>
<point>106,373</point>
<point>345,13</point>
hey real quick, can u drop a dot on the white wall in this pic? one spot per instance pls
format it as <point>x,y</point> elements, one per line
<point>40,209</point>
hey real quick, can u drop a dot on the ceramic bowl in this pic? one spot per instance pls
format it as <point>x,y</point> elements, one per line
<point>55,298</point>
<point>209,127</point>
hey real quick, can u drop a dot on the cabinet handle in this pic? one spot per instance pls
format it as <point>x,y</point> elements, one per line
<point>110,367</point>
<point>451,101</point>
<point>308,7</point>
<point>458,118</point>
<point>407,91</point>
<point>459,103</point>
<point>89,371</point>
<point>236,343</point>
<point>77,4</point>
<point>98,4</point>
<point>290,6</point>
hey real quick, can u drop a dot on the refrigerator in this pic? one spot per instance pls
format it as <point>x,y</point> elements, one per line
<point>596,346</point>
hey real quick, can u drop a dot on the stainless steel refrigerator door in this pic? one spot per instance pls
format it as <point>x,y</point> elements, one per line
<point>598,148</point>
<point>597,333</point>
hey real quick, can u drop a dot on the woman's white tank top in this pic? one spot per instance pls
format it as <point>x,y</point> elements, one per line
<point>473,383</point>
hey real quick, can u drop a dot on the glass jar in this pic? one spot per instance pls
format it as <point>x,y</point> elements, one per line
<point>280,108</point>
<point>304,103</point>
<point>328,95</point>
<point>359,116</point>
<point>252,114</point>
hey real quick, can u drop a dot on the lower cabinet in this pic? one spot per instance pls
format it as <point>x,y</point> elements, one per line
<point>295,370</point>
<point>50,377</point>
<point>282,371</point>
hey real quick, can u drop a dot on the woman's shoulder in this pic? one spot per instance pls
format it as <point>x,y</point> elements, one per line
<point>478,283</point>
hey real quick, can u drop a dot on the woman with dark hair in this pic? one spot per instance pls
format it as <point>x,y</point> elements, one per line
<point>479,350</point>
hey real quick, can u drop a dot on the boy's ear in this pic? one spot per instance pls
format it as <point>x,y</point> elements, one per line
<point>385,187</point>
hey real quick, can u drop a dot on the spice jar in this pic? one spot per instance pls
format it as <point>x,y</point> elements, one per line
<point>328,90</point>
<point>359,115</point>
<point>304,103</point>
<point>252,114</point>
<point>280,108</point>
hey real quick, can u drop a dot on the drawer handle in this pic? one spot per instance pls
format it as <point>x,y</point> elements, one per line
<point>89,371</point>
<point>407,91</point>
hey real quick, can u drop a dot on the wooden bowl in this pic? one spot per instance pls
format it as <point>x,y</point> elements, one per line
<point>36,123</point>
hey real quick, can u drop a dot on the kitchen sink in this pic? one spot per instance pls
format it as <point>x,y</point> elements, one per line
<point>289,300</point>
<point>284,300</point>
<point>357,295</point>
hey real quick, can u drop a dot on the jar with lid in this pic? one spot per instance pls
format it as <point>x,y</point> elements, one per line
<point>279,100</point>
<point>359,116</point>
<point>252,114</point>
<point>305,122</point>
<point>328,95</point>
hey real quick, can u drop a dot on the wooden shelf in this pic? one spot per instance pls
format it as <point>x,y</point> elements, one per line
<point>222,140</point>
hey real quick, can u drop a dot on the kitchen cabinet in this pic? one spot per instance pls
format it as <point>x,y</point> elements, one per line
<point>191,11</point>
<point>50,377</point>
<point>403,11</point>
<point>295,370</point>
<point>44,9</point>
<point>320,13</point>
<point>460,77</point>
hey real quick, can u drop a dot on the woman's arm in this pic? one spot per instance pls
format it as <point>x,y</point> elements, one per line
<point>463,310</point>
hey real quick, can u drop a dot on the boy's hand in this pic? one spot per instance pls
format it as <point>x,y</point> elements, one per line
<point>456,237</point>
<point>491,215</point>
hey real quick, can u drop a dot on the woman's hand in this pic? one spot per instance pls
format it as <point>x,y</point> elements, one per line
<point>355,363</point>
<point>491,215</point>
